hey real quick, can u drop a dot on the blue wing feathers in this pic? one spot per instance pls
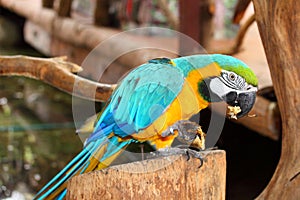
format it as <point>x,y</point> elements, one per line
<point>138,94</point>
<point>100,133</point>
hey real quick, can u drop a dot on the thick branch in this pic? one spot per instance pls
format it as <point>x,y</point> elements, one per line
<point>279,24</point>
<point>240,10</point>
<point>64,9</point>
<point>101,13</point>
<point>47,3</point>
<point>56,72</point>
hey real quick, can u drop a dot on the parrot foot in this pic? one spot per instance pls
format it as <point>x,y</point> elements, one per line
<point>195,153</point>
<point>188,132</point>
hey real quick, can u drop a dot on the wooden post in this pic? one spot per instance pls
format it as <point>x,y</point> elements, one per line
<point>101,17</point>
<point>195,18</point>
<point>279,25</point>
<point>47,3</point>
<point>170,177</point>
<point>64,9</point>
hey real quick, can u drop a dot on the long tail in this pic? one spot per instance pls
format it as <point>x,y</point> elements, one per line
<point>96,155</point>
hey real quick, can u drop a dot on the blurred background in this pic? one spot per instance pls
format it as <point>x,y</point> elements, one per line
<point>37,130</point>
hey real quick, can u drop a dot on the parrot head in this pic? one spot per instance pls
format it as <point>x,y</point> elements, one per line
<point>236,84</point>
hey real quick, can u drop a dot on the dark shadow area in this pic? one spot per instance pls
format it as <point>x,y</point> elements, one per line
<point>251,159</point>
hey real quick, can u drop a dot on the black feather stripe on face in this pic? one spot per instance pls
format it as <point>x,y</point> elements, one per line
<point>206,93</point>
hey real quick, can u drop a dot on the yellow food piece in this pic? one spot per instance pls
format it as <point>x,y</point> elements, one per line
<point>199,141</point>
<point>233,111</point>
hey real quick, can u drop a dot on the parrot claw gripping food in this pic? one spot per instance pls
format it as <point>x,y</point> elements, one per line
<point>188,132</point>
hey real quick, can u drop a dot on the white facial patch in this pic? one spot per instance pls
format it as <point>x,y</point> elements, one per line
<point>219,88</point>
<point>229,82</point>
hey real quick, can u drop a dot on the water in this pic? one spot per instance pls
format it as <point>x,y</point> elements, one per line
<point>37,133</point>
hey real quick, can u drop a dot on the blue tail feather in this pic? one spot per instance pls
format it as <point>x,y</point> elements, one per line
<point>64,175</point>
<point>66,168</point>
<point>81,163</point>
<point>114,147</point>
<point>62,195</point>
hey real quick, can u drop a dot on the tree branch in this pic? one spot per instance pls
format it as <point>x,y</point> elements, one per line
<point>56,72</point>
<point>279,23</point>
<point>240,10</point>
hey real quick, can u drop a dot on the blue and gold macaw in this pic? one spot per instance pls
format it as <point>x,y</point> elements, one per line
<point>153,97</point>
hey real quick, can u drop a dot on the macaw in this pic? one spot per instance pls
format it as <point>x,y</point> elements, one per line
<point>153,97</point>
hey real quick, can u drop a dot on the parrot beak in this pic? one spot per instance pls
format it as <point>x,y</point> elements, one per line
<point>244,100</point>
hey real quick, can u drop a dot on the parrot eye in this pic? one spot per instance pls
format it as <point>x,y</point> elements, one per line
<point>232,80</point>
<point>232,76</point>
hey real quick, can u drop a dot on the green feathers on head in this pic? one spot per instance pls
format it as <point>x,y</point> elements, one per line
<point>232,64</point>
<point>190,63</point>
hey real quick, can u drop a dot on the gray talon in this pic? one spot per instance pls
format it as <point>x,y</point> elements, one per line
<point>195,154</point>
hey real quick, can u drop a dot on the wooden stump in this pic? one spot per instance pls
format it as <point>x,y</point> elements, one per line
<point>170,177</point>
<point>279,24</point>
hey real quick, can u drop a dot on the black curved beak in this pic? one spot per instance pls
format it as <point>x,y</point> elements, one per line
<point>244,100</point>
